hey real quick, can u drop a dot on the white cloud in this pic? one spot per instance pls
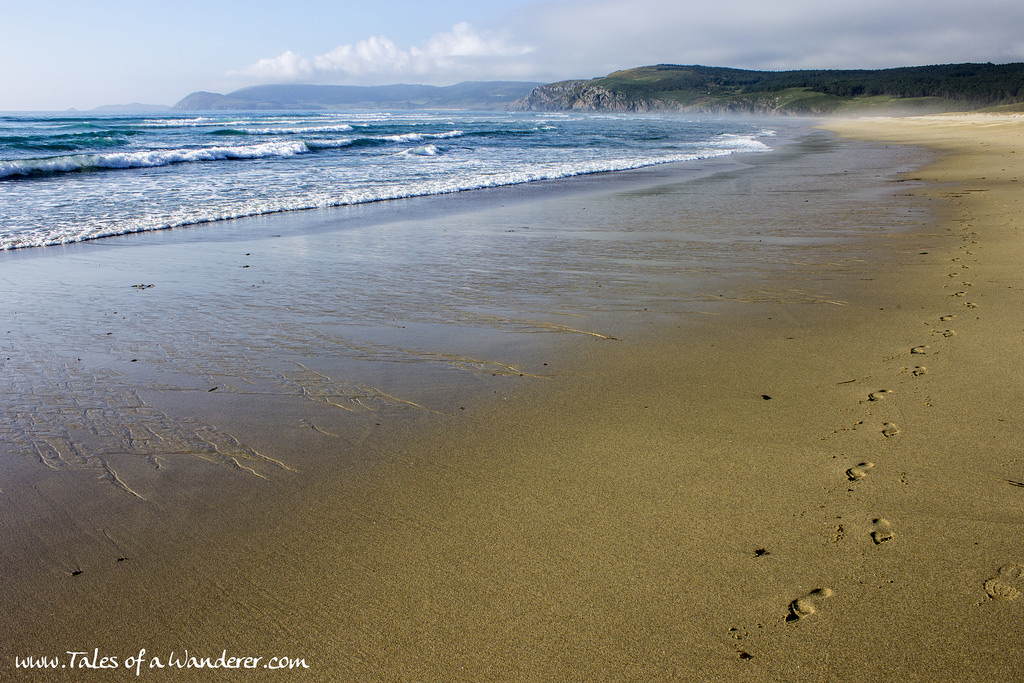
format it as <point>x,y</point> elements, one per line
<point>375,55</point>
<point>287,66</point>
<point>558,39</point>
<point>463,41</point>
<point>459,54</point>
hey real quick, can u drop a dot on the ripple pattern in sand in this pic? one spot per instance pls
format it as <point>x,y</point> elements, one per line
<point>68,418</point>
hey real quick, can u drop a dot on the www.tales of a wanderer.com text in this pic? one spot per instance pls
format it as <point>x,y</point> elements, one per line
<point>143,661</point>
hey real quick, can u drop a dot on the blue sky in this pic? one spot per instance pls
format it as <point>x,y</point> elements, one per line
<point>57,54</point>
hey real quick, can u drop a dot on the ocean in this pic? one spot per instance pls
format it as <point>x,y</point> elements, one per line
<point>72,177</point>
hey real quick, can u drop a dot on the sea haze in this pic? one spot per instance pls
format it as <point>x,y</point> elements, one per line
<point>68,178</point>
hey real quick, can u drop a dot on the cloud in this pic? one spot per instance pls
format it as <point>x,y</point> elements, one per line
<point>553,40</point>
<point>593,36</point>
<point>459,54</point>
<point>287,66</point>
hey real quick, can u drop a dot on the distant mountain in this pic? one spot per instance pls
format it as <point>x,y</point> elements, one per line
<point>134,107</point>
<point>468,95</point>
<point>669,87</point>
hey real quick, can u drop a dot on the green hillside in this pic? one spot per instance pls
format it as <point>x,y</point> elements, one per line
<point>949,87</point>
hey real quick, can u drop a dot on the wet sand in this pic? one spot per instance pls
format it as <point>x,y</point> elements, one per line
<point>755,423</point>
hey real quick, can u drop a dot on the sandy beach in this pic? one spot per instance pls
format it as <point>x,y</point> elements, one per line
<point>753,421</point>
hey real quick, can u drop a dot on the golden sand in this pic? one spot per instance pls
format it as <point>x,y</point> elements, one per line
<point>822,481</point>
<point>787,492</point>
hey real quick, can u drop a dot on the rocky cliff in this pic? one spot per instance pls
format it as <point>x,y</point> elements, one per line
<point>585,96</point>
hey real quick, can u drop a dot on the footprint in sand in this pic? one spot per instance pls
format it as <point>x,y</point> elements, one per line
<point>890,430</point>
<point>945,333</point>
<point>946,318</point>
<point>878,395</point>
<point>805,606</point>
<point>859,471</point>
<point>920,349</point>
<point>1000,587</point>
<point>919,370</point>
<point>882,532</point>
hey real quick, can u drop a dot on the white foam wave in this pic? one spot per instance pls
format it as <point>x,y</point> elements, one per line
<point>419,137</point>
<point>738,143</point>
<point>401,158</point>
<point>371,192</point>
<point>424,151</point>
<point>165,157</point>
<point>300,130</point>
<point>212,121</point>
<point>148,159</point>
<point>178,123</point>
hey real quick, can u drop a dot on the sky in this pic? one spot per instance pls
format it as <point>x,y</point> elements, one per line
<point>61,54</point>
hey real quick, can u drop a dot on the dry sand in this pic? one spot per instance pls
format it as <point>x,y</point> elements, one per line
<point>816,476</point>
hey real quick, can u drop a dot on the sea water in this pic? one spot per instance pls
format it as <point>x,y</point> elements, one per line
<point>72,177</point>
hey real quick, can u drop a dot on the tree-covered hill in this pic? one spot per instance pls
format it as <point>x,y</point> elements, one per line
<point>948,87</point>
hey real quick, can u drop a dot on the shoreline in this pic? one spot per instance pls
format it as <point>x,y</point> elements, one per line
<point>668,504</point>
<point>134,201</point>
